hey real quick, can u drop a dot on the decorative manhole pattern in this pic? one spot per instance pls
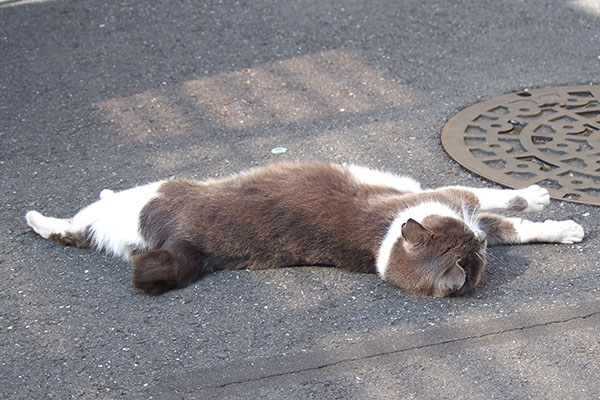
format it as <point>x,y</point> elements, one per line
<point>549,137</point>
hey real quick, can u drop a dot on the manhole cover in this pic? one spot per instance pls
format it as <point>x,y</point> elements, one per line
<point>549,137</point>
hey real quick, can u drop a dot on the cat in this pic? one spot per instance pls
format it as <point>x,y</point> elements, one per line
<point>425,242</point>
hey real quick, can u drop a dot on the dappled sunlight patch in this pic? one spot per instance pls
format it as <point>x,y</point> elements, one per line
<point>303,88</point>
<point>591,7</point>
<point>147,114</point>
<point>324,143</point>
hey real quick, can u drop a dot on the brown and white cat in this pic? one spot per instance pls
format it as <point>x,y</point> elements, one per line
<point>428,242</point>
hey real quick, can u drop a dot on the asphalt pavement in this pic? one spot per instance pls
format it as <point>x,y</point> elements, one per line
<point>112,94</point>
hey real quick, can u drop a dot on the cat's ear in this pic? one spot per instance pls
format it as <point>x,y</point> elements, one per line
<point>413,232</point>
<point>451,280</point>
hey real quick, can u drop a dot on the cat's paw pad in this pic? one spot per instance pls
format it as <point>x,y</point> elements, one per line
<point>565,231</point>
<point>536,197</point>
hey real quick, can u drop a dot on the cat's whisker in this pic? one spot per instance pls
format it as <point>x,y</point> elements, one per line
<point>494,259</point>
<point>481,258</point>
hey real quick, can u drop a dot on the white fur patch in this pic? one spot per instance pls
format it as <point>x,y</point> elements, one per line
<point>378,178</point>
<point>113,220</point>
<point>418,213</point>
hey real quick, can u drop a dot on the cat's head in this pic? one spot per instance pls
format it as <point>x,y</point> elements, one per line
<point>441,256</point>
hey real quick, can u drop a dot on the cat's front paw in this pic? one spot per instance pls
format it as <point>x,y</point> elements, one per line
<point>535,198</point>
<point>565,231</point>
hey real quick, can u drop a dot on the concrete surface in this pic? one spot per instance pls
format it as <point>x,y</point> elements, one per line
<point>110,94</point>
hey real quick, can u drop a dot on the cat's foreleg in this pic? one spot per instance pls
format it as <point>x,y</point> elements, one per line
<point>532,198</point>
<point>509,230</point>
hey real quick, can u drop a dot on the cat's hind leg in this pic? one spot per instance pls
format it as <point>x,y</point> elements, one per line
<point>504,230</point>
<point>175,265</point>
<point>110,224</point>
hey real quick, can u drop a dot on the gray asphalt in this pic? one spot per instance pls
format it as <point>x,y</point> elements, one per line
<point>111,94</point>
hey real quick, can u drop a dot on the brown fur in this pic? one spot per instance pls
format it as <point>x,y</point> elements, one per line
<point>273,218</point>
<point>517,204</point>
<point>498,229</point>
<point>77,239</point>
<point>298,214</point>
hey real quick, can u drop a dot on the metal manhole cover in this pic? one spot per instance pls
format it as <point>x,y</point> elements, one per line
<point>549,137</point>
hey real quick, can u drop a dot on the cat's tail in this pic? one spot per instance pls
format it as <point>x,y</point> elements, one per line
<point>177,265</point>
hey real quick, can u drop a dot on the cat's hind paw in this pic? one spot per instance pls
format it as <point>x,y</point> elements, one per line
<point>34,219</point>
<point>46,226</point>
<point>39,223</point>
<point>536,198</point>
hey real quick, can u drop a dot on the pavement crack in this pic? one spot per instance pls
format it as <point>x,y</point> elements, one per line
<point>290,371</point>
